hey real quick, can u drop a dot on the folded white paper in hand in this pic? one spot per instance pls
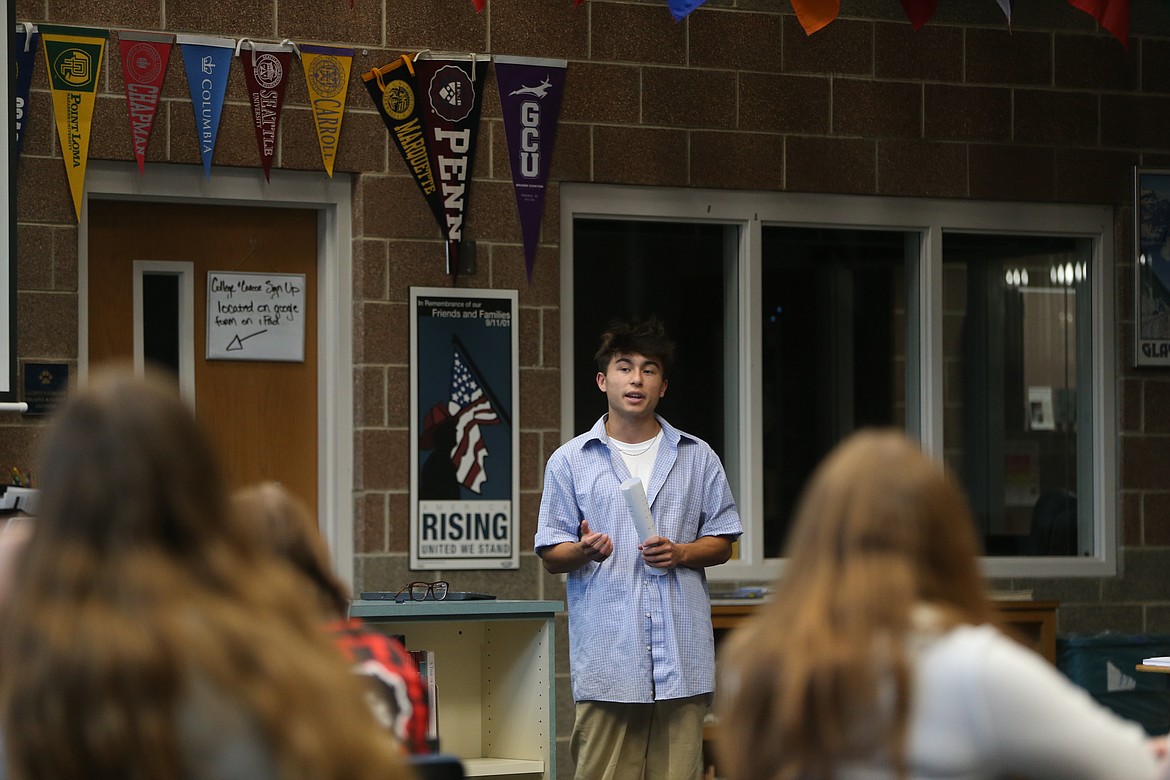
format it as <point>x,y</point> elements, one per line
<point>635,496</point>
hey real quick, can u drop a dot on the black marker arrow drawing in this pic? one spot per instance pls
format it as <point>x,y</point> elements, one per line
<point>237,342</point>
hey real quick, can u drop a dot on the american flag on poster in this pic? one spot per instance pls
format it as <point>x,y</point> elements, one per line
<point>471,408</point>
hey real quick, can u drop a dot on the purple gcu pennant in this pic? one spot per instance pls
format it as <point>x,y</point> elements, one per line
<point>24,54</point>
<point>530,99</point>
<point>452,95</point>
<point>394,90</point>
<point>266,70</point>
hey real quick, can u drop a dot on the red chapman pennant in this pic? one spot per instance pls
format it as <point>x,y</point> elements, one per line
<point>144,66</point>
<point>266,69</point>
<point>1113,15</point>
<point>919,12</point>
<point>815,14</point>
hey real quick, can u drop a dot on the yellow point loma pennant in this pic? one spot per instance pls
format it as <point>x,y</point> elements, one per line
<point>73,57</point>
<point>327,74</point>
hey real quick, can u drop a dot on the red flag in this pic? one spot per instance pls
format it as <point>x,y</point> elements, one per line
<point>144,65</point>
<point>815,14</point>
<point>919,12</point>
<point>1113,15</point>
<point>266,71</point>
<point>479,5</point>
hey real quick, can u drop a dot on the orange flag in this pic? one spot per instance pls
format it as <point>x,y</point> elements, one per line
<point>815,14</point>
<point>1113,15</point>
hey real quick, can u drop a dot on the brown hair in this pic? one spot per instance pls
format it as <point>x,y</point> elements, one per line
<point>635,337</point>
<point>291,533</point>
<point>880,529</point>
<point>141,603</point>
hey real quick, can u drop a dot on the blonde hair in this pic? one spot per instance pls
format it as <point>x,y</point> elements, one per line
<point>879,530</point>
<point>140,596</point>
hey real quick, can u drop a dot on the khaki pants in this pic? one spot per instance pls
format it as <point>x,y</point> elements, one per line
<point>659,741</point>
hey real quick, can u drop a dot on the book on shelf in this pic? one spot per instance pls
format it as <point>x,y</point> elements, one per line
<point>1158,660</point>
<point>425,661</point>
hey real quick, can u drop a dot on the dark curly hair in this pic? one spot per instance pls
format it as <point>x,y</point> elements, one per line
<point>641,337</point>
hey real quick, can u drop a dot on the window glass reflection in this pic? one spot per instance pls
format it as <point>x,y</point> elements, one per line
<point>1015,321</point>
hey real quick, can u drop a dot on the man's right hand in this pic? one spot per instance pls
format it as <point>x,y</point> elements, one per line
<point>569,556</point>
<point>595,546</point>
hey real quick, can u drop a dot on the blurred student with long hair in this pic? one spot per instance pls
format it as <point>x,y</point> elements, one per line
<point>149,634</point>
<point>878,656</point>
<point>393,687</point>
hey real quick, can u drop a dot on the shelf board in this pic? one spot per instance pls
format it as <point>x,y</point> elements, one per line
<point>489,767</point>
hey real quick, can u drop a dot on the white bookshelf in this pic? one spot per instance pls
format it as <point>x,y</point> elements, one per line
<point>494,674</point>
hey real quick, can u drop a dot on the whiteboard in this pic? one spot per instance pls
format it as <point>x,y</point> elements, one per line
<point>255,316</point>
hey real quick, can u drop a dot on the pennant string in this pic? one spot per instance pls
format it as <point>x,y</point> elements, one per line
<point>28,31</point>
<point>292,45</point>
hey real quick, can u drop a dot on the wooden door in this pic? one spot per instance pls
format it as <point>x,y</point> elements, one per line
<point>261,416</point>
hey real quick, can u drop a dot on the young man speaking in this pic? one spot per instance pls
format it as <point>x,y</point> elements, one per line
<point>641,649</point>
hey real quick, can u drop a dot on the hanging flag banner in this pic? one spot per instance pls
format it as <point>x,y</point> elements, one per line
<point>678,8</point>
<point>919,12</point>
<point>144,66</point>
<point>815,14</point>
<point>207,61</point>
<point>452,92</point>
<point>327,74</point>
<point>394,90</point>
<point>266,69</point>
<point>530,100</point>
<point>1113,15</point>
<point>24,54</point>
<point>1006,7</point>
<point>73,56</point>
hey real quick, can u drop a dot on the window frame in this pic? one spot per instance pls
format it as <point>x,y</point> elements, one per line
<point>927,217</point>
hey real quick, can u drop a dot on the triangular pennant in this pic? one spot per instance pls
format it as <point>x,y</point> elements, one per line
<point>530,101</point>
<point>919,12</point>
<point>479,5</point>
<point>327,75</point>
<point>144,66</point>
<point>451,87</point>
<point>73,56</point>
<point>1006,7</point>
<point>680,8</point>
<point>266,67</point>
<point>815,14</point>
<point>24,54</point>
<point>1113,15</point>
<point>394,90</point>
<point>207,61</point>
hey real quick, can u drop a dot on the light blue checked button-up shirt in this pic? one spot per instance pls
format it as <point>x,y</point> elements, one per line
<point>636,636</point>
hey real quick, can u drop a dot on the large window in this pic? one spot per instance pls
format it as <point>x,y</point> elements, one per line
<point>981,329</point>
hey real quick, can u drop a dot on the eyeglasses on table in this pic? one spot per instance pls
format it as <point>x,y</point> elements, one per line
<point>423,591</point>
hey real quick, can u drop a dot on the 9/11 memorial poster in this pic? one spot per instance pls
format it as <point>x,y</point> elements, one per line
<point>464,465</point>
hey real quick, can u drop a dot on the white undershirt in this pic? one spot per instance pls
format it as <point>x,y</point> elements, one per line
<point>639,458</point>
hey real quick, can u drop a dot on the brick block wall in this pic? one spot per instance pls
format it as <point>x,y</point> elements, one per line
<point>735,96</point>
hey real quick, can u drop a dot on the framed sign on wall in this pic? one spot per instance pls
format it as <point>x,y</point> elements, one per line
<point>8,209</point>
<point>464,465</point>
<point>1152,267</point>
